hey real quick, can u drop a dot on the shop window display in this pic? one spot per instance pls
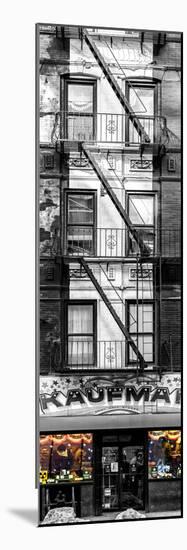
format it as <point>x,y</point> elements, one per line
<point>164,454</point>
<point>66,458</point>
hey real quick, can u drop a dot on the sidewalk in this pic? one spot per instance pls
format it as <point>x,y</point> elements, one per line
<point>110,516</point>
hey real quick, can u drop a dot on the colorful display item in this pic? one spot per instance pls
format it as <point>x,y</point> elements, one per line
<point>43,476</point>
<point>164,454</point>
<point>66,458</point>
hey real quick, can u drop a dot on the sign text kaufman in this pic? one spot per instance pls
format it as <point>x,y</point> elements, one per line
<point>127,395</point>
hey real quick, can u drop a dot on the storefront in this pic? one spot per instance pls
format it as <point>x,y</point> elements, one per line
<point>106,471</point>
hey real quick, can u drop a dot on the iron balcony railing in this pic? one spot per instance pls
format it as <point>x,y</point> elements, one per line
<point>86,353</point>
<point>80,241</point>
<point>111,243</point>
<point>107,128</point>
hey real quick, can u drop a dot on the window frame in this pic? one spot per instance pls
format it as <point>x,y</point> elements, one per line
<point>140,227</point>
<point>67,193</point>
<point>142,82</point>
<point>130,362</point>
<point>68,303</point>
<point>77,80</point>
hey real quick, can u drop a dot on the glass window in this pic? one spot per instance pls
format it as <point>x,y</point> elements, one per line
<point>144,338</point>
<point>141,209</point>
<point>80,224</point>
<point>66,457</point>
<point>80,319</point>
<point>164,454</point>
<point>142,100</point>
<point>141,213</point>
<point>145,318</point>
<point>80,106</point>
<point>81,334</point>
<point>80,98</point>
<point>80,209</point>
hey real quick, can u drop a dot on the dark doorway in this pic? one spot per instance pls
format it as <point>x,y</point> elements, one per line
<point>123,475</point>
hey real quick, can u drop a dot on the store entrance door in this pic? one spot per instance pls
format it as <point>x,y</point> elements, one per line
<point>122,477</point>
<point>132,478</point>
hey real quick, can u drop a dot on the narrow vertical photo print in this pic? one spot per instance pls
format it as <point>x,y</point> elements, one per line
<point>109,206</point>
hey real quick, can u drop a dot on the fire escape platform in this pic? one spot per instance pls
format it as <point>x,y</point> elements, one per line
<point>111,259</point>
<point>67,146</point>
<point>96,146</point>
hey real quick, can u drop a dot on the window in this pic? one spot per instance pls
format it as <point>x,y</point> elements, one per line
<point>141,209</point>
<point>80,99</point>
<point>80,215</point>
<point>81,337</point>
<point>164,454</point>
<point>141,332</point>
<point>66,457</point>
<point>142,97</point>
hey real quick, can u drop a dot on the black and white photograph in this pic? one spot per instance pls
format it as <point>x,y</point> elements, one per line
<point>109,226</point>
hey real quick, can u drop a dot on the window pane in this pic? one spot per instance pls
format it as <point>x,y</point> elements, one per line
<point>141,209</point>
<point>80,209</point>
<point>80,127</point>
<point>142,100</point>
<point>145,346</point>
<point>132,318</point>
<point>80,319</point>
<point>145,235</point>
<point>164,454</point>
<point>142,103</point>
<point>145,318</point>
<point>80,98</point>
<point>80,240</point>
<point>110,471</point>
<point>80,350</point>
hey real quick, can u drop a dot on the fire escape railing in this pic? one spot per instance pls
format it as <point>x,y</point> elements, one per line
<point>101,127</point>
<point>111,243</point>
<point>118,243</point>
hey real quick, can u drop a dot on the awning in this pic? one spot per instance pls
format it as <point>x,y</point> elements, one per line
<point>109,422</point>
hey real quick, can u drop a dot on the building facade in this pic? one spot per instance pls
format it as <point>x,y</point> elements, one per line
<point>110,270</point>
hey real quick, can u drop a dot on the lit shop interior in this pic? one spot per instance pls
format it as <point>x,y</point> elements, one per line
<point>101,472</point>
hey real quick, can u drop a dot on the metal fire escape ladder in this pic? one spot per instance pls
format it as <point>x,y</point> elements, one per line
<point>107,302</point>
<point>89,155</point>
<point>115,86</point>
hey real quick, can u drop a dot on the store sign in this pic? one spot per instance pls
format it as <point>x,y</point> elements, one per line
<point>94,395</point>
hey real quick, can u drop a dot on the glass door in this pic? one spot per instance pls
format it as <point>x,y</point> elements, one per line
<point>132,477</point>
<point>110,478</point>
<point>122,477</point>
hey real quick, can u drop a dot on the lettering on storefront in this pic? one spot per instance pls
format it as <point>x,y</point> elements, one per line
<point>96,396</point>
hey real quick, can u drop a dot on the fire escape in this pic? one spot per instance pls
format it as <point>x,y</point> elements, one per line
<point>147,136</point>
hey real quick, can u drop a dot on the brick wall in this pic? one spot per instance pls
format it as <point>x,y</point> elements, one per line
<point>171,217</point>
<point>170,333</point>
